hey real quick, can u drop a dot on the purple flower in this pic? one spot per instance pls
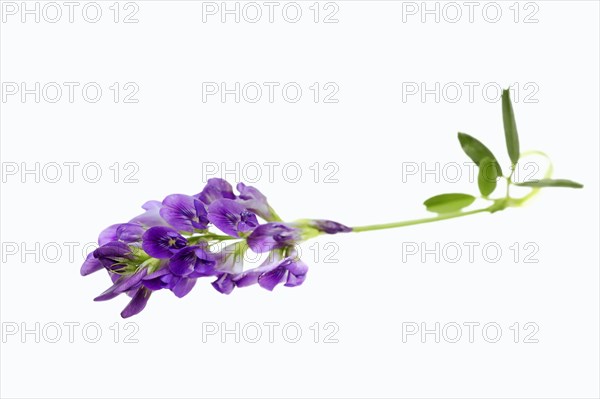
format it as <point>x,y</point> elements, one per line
<point>90,265</point>
<point>250,277</point>
<point>123,283</point>
<point>254,200</point>
<point>250,198</point>
<point>230,263</point>
<point>224,283</point>
<point>115,256</point>
<point>164,278</point>
<point>215,189</point>
<point>108,234</point>
<point>231,218</point>
<point>162,242</point>
<point>184,212</point>
<point>269,236</point>
<point>328,226</point>
<point>290,270</point>
<point>180,272</point>
<point>124,232</point>
<point>156,280</point>
<point>181,286</point>
<point>132,285</point>
<point>138,302</point>
<point>130,232</point>
<point>192,261</point>
<point>152,252</point>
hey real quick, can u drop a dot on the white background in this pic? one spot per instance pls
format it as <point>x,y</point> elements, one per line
<point>369,134</point>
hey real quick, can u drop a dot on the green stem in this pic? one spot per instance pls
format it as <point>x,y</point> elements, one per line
<point>413,222</point>
<point>509,181</point>
<point>547,175</point>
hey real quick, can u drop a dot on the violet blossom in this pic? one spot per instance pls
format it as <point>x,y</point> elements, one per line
<point>171,245</point>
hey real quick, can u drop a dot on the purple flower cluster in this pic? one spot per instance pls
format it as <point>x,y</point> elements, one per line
<point>169,245</point>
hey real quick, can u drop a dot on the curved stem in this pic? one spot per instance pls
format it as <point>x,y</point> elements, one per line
<point>547,175</point>
<point>509,181</point>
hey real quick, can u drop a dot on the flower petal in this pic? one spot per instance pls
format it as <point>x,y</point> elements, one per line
<point>158,280</point>
<point>224,284</point>
<point>329,226</point>
<point>215,189</point>
<point>130,232</point>
<point>161,242</point>
<point>269,280</point>
<point>152,204</point>
<point>294,281</point>
<point>151,217</point>
<point>108,234</point>
<point>250,277</point>
<point>90,265</point>
<point>231,217</point>
<point>183,262</point>
<point>113,254</point>
<point>158,273</point>
<point>184,212</point>
<point>137,303</point>
<point>255,201</point>
<point>122,284</point>
<point>295,265</point>
<point>183,286</point>
<point>269,236</point>
<point>108,294</point>
<point>231,258</point>
<point>205,263</point>
<point>155,284</point>
<point>113,249</point>
<point>130,281</point>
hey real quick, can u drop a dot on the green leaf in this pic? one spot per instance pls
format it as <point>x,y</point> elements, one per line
<point>445,203</point>
<point>476,150</point>
<point>510,128</point>
<point>550,183</point>
<point>488,176</point>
